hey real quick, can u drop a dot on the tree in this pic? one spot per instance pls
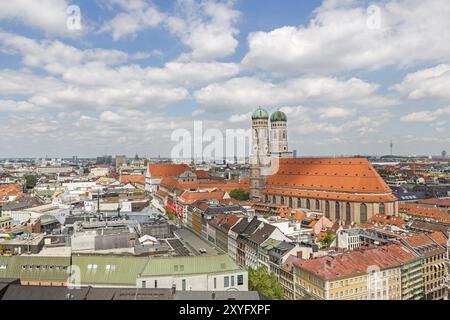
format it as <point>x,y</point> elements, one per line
<point>240,194</point>
<point>327,240</point>
<point>170,214</point>
<point>31,182</point>
<point>262,281</point>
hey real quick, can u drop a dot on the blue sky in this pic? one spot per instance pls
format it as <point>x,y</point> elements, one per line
<point>349,74</point>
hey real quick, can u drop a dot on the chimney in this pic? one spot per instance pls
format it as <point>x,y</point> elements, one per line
<point>300,254</point>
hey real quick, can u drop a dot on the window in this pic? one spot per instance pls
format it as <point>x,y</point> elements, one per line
<point>232,281</point>
<point>290,202</point>
<point>317,205</point>
<point>363,213</point>
<point>382,209</point>
<point>348,216</point>
<point>144,284</point>
<point>240,280</point>
<point>308,204</point>
<point>327,209</point>
<point>215,283</point>
<point>156,284</point>
<point>183,285</point>
<point>337,211</point>
<point>226,282</point>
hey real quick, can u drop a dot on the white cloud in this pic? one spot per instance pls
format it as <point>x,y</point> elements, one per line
<point>55,56</point>
<point>240,118</point>
<point>427,116</point>
<point>138,15</point>
<point>208,28</point>
<point>49,16</point>
<point>427,83</point>
<point>22,83</point>
<point>16,106</point>
<point>338,38</point>
<point>247,92</point>
<point>334,112</point>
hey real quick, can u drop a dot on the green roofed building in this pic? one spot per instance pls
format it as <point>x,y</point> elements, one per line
<point>36,270</point>
<point>106,270</point>
<point>199,273</point>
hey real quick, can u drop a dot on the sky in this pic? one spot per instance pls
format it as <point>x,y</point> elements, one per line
<point>93,77</point>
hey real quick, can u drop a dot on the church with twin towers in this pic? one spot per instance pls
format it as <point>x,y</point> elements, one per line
<point>268,143</point>
<point>343,189</point>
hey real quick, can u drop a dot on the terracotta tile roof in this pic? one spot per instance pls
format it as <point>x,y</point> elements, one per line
<point>292,214</point>
<point>167,170</point>
<point>415,210</point>
<point>201,174</point>
<point>9,190</point>
<point>216,220</point>
<point>189,197</point>
<point>435,202</point>
<point>227,185</point>
<point>386,220</point>
<point>332,195</point>
<point>162,193</point>
<point>439,237</point>
<point>417,240</point>
<point>355,175</point>
<point>228,222</point>
<point>202,205</point>
<point>288,265</point>
<point>140,179</point>
<point>428,226</point>
<point>357,262</point>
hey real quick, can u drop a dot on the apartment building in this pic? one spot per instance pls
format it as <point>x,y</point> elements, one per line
<point>370,274</point>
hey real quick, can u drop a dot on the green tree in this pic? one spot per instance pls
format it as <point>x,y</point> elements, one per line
<point>240,194</point>
<point>31,181</point>
<point>262,281</point>
<point>170,214</point>
<point>327,240</point>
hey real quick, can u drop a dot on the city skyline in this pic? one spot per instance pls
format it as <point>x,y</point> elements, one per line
<point>351,75</point>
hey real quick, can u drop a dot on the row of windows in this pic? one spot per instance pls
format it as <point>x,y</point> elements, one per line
<point>347,282</point>
<point>317,206</point>
<point>228,281</point>
<point>435,258</point>
<point>43,268</point>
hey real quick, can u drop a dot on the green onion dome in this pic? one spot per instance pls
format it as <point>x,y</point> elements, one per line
<point>278,116</point>
<point>260,114</point>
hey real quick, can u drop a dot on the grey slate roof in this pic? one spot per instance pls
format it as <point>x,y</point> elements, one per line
<point>18,292</point>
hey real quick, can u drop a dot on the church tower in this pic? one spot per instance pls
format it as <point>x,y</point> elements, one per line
<point>260,156</point>
<point>279,136</point>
